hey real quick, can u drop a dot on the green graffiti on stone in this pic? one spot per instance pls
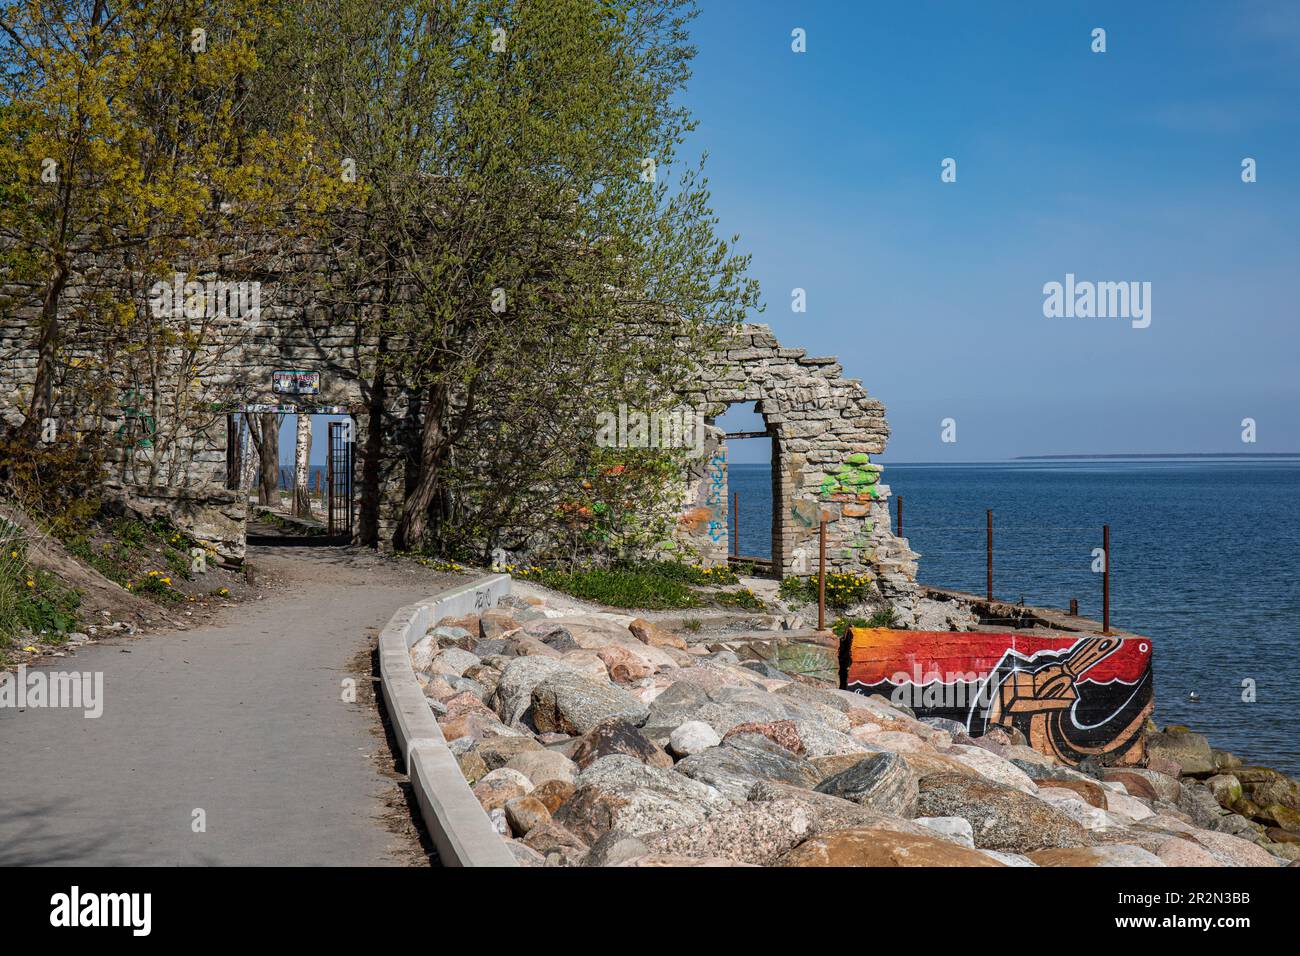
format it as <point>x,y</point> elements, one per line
<point>856,476</point>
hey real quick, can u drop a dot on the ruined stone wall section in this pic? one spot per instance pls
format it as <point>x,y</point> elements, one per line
<point>824,428</point>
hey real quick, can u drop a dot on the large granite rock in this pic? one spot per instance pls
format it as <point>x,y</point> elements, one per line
<point>513,695</point>
<point>752,833</point>
<point>734,766</point>
<point>573,704</point>
<point>621,792</point>
<point>881,847</point>
<point>1190,751</point>
<point>1001,817</point>
<point>882,781</point>
<point>618,736</point>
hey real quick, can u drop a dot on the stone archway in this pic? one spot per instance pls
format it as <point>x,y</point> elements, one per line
<point>824,430</point>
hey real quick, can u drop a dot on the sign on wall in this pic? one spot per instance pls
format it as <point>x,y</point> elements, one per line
<point>295,382</point>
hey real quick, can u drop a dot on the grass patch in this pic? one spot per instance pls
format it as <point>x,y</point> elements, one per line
<point>31,601</point>
<point>885,617</point>
<point>617,587</point>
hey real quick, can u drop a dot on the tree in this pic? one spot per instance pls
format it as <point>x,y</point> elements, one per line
<point>527,261</point>
<point>136,155</point>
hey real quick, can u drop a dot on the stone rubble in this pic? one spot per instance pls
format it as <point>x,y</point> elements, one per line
<point>600,740</point>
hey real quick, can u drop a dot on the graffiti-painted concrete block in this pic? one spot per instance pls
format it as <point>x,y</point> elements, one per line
<point>1073,696</point>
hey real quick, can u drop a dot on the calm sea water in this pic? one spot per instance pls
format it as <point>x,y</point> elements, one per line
<point>1205,559</point>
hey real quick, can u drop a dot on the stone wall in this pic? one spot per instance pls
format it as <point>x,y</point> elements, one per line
<point>824,427</point>
<point>824,430</point>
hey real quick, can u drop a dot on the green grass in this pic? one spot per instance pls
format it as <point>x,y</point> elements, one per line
<point>31,600</point>
<point>882,618</point>
<point>618,587</point>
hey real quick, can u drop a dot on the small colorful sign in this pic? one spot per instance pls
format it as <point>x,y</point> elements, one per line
<point>295,382</point>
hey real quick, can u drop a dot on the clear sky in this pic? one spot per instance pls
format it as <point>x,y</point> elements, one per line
<point>1115,166</point>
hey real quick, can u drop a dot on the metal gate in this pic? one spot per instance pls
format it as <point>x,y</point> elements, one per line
<point>338,479</point>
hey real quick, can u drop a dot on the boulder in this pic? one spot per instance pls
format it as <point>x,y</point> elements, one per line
<point>613,848</point>
<point>526,812</point>
<point>1178,851</point>
<point>452,661</point>
<point>869,846</point>
<point>472,767</point>
<point>957,829</point>
<point>553,793</point>
<point>833,813</point>
<point>755,833</point>
<point>1191,752</point>
<point>550,836</point>
<point>495,624</point>
<point>496,752</point>
<point>1087,790</point>
<point>499,787</point>
<point>737,764</point>
<point>654,636</point>
<point>524,855</point>
<point>542,765</point>
<point>1073,806</point>
<point>1265,786</point>
<point>990,765</point>
<point>513,695</point>
<point>570,703</point>
<point>822,741</point>
<point>674,862</point>
<point>623,666</point>
<point>881,781</point>
<point>1001,817</point>
<point>1234,851</point>
<point>1147,784</point>
<point>1119,854</point>
<point>618,736</point>
<point>620,792</point>
<point>692,737</point>
<point>1226,789</point>
<point>780,732</point>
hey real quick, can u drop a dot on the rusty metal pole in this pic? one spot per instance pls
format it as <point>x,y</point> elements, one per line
<point>988,578</point>
<point>1105,579</point>
<point>899,499</point>
<point>735,520</point>
<point>821,576</point>
<point>1074,607</point>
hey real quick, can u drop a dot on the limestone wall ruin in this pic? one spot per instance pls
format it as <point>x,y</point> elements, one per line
<point>824,427</point>
<point>824,430</point>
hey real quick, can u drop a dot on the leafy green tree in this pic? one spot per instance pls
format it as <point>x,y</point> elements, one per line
<point>530,251</point>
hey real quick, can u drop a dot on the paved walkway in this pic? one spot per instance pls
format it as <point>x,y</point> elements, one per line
<point>242,718</point>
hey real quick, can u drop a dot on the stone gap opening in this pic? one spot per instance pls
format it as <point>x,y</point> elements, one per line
<point>312,442</point>
<point>751,454</point>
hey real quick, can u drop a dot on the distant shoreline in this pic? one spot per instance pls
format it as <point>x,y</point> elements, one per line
<point>1176,454</point>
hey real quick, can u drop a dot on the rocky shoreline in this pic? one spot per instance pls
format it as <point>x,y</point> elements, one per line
<point>600,739</point>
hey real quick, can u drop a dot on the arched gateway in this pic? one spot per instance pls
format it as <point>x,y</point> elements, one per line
<point>824,430</point>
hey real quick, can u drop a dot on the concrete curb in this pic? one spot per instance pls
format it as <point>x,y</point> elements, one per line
<point>460,829</point>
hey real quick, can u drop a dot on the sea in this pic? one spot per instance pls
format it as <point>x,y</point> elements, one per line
<point>1205,559</point>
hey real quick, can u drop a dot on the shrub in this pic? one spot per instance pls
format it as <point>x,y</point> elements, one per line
<point>843,590</point>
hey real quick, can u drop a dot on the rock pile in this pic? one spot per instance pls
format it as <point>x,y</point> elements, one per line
<point>600,740</point>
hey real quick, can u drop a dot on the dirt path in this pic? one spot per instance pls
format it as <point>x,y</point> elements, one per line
<point>241,718</point>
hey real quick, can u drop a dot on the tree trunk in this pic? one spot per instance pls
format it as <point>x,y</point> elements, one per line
<point>267,492</point>
<point>247,457</point>
<point>46,345</point>
<point>414,525</point>
<point>302,468</point>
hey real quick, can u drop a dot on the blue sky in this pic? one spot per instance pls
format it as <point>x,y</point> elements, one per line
<point>1115,166</point>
